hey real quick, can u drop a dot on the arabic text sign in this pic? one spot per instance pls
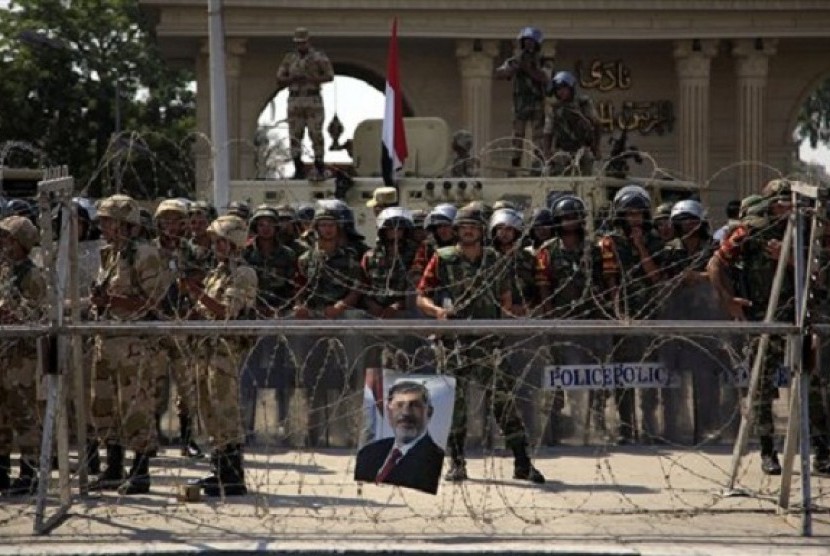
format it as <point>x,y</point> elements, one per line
<point>609,376</point>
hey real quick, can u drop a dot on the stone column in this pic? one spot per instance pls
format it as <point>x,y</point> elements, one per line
<point>240,147</point>
<point>202,147</point>
<point>693,61</point>
<point>751,69</point>
<point>475,62</point>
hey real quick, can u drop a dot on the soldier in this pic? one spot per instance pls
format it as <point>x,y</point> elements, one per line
<point>630,273</point>
<point>757,248</point>
<point>438,225</point>
<point>465,165</point>
<point>466,281</point>
<point>171,221</point>
<point>541,228</point>
<point>305,216</point>
<point>290,229</point>
<point>227,293</point>
<point>733,213</point>
<point>662,223</point>
<point>571,126</point>
<point>506,228</point>
<point>820,381</point>
<point>200,255</point>
<point>382,197</point>
<point>240,209</point>
<point>132,282</point>
<point>388,283</point>
<point>328,282</point>
<point>529,83</point>
<point>569,277</point>
<point>22,301</point>
<point>303,72</point>
<point>418,233</point>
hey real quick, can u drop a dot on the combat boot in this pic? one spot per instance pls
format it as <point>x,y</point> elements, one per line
<point>138,480</point>
<point>229,475</point>
<point>320,168</point>
<point>26,483</point>
<point>5,469</point>
<point>113,474</point>
<point>457,472</point>
<point>299,169</point>
<point>189,447</point>
<point>93,459</point>
<point>522,467</point>
<point>821,459</point>
<point>769,457</point>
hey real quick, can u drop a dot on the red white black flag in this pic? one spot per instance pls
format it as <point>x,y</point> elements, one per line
<point>393,140</point>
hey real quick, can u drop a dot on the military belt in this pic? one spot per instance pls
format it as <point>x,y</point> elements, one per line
<point>311,94</point>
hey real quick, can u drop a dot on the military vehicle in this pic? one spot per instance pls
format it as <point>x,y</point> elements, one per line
<point>424,182</point>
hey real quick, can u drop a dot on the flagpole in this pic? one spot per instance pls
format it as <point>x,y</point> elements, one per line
<point>218,107</point>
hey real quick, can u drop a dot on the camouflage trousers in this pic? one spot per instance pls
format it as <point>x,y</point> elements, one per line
<point>217,390</point>
<point>579,162</point>
<point>536,119</point>
<point>172,360</point>
<point>479,360</point>
<point>123,392</point>
<point>305,112</point>
<point>20,412</point>
<point>768,390</point>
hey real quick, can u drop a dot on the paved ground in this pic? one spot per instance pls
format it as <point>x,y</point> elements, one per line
<point>640,500</point>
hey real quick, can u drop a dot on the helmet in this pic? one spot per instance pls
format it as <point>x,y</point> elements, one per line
<point>531,33</point>
<point>326,211</point>
<point>230,227</point>
<point>563,79</point>
<point>777,189</point>
<point>469,214</point>
<point>120,207</point>
<point>21,229</point>
<point>305,212</point>
<point>753,205</point>
<point>86,209</point>
<point>203,206</point>
<point>462,139</point>
<point>541,217</point>
<point>664,210</point>
<point>394,217</point>
<point>631,197</point>
<point>567,205</point>
<point>504,204</point>
<point>383,197</point>
<point>240,209</point>
<point>506,217</point>
<point>19,207</point>
<point>264,211</point>
<point>285,212</point>
<point>441,214</point>
<point>689,208</point>
<point>175,206</point>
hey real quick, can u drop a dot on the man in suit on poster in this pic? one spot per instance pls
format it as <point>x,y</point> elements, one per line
<point>411,458</point>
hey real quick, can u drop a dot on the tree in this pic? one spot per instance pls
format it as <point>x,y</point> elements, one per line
<point>86,86</point>
<point>814,116</point>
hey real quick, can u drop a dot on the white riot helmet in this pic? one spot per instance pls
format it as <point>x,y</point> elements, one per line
<point>506,217</point>
<point>687,209</point>
<point>441,214</point>
<point>395,217</point>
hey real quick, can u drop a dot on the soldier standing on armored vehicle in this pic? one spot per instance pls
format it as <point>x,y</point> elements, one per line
<point>464,165</point>
<point>22,301</point>
<point>466,281</point>
<point>571,127</point>
<point>303,72</point>
<point>529,83</point>
<point>755,246</point>
<point>630,274</point>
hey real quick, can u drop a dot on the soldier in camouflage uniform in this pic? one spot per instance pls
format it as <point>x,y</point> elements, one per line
<point>200,254</point>
<point>632,275</point>
<point>171,222</point>
<point>466,281</point>
<point>329,282</point>
<point>662,222</point>
<point>569,277</point>
<point>464,165</point>
<point>572,127</point>
<point>290,229</point>
<point>132,282</point>
<point>438,224</point>
<point>541,228</point>
<point>529,83</point>
<point>303,72</point>
<point>22,301</point>
<point>275,265</point>
<point>820,381</point>
<point>228,292</point>
<point>755,246</point>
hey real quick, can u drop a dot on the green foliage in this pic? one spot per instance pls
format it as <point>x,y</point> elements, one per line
<point>63,69</point>
<point>814,116</point>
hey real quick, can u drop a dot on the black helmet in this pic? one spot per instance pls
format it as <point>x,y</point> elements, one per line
<point>305,212</point>
<point>540,217</point>
<point>567,205</point>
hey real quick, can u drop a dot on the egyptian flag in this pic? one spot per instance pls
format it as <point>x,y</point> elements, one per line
<point>393,140</point>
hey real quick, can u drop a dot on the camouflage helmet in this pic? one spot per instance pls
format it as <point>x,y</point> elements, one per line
<point>504,204</point>
<point>394,217</point>
<point>203,206</point>
<point>175,206</point>
<point>777,189</point>
<point>486,210</point>
<point>240,209</point>
<point>231,228</point>
<point>752,205</point>
<point>120,207</point>
<point>506,217</point>
<point>286,212</point>
<point>469,214</point>
<point>663,211</point>
<point>21,230</point>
